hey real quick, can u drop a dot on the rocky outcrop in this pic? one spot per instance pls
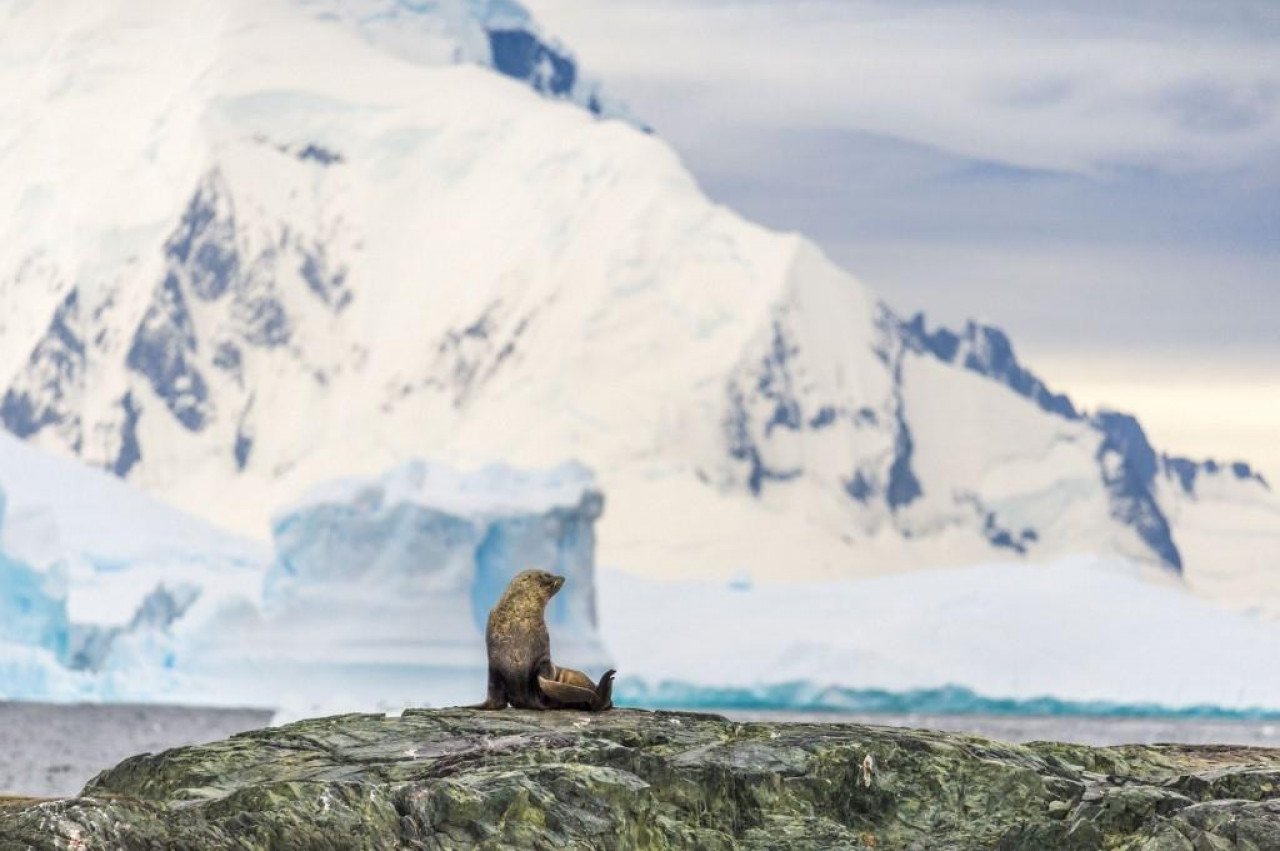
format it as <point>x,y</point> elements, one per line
<point>445,779</point>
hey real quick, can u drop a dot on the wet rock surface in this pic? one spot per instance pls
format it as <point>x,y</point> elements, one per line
<point>446,779</point>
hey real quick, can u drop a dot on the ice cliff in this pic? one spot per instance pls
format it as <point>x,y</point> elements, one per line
<point>380,587</point>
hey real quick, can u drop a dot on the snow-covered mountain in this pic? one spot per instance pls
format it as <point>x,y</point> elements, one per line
<point>249,246</point>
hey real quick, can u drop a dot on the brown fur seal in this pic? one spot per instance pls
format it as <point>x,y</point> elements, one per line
<point>521,672</point>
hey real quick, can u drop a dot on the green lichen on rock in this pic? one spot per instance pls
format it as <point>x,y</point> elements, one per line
<point>454,779</point>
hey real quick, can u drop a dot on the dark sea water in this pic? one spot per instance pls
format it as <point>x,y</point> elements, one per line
<point>51,750</point>
<point>54,749</point>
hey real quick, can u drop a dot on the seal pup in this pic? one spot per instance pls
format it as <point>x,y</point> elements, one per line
<point>521,673</point>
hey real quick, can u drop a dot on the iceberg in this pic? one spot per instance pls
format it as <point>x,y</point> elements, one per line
<point>33,607</point>
<point>95,576</point>
<point>380,588</point>
<point>374,592</point>
<point>440,539</point>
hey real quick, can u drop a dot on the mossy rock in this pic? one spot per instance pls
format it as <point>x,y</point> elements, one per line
<point>455,779</point>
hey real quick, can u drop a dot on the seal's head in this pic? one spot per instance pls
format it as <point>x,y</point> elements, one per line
<point>537,584</point>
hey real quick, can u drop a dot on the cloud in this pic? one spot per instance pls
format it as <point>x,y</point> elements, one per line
<point>1077,87</point>
<point>1210,106</point>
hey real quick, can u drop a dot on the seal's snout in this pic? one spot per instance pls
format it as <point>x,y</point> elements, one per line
<point>557,584</point>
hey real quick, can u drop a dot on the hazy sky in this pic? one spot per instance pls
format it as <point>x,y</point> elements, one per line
<point>1103,183</point>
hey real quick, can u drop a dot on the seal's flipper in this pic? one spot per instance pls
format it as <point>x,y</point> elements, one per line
<point>604,691</point>
<point>567,694</point>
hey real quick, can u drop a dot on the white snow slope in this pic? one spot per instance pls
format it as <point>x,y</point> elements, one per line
<point>253,245</point>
